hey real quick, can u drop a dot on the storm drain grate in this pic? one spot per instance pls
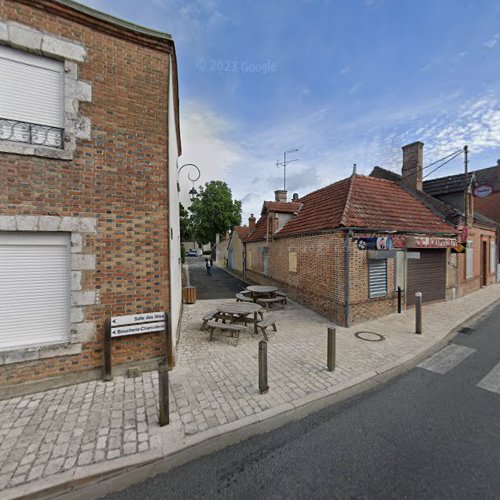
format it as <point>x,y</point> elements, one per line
<point>369,336</point>
<point>466,330</point>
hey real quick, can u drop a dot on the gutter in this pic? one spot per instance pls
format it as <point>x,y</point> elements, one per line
<point>347,274</point>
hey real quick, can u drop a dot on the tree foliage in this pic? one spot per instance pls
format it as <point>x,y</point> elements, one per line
<point>214,211</point>
<point>185,224</point>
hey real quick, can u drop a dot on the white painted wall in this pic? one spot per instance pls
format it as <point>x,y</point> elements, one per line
<point>174,223</point>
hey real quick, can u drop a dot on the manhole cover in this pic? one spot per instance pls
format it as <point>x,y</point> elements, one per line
<point>466,330</point>
<point>369,336</point>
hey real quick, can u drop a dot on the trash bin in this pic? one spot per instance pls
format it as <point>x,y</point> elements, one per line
<point>189,294</point>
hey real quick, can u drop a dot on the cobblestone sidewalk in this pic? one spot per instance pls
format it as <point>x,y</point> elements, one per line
<point>62,434</point>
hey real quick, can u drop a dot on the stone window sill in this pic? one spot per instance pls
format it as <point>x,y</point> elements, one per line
<point>21,148</point>
<point>35,353</point>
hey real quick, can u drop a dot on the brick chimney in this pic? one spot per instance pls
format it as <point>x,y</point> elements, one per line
<point>280,195</point>
<point>413,155</point>
<point>251,222</point>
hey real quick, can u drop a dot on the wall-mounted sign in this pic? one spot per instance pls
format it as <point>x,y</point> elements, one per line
<point>382,243</point>
<point>381,254</point>
<point>483,191</point>
<point>463,232</point>
<point>120,331</point>
<point>133,319</point>
<point>458,249</point>
<point>413,255</point>
<point>430,242</point>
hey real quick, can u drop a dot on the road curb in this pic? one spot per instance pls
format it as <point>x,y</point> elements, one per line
<point>107,477</point>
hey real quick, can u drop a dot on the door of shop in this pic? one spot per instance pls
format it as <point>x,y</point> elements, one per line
<point>426,274</point>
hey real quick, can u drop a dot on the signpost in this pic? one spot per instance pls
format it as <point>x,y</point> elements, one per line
<point>483,191</point>
<point>133,324</point>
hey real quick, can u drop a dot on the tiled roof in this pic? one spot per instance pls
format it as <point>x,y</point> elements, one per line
<point>454,183</point>
<point>242,231</point>
<point>259,232</point>
<point>364,202</point>
<point>284,207</point>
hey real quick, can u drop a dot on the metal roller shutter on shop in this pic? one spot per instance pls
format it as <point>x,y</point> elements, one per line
<point>427,275</point>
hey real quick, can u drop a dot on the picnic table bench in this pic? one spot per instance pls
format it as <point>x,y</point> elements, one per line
<point>229,327</point>
<point>274,300</point>
<point>266,323</point>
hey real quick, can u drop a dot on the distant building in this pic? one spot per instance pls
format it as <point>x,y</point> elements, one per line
<point>236,247</point>
<point>476,265</point>
<point>89,223</point>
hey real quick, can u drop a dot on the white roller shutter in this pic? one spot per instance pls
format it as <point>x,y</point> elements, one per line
<point>34,289</point>
<point>377,277</point>
<point>31,88</point>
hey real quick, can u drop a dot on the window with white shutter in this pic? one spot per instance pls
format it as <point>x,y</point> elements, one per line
<point>31,98</point>
<point>34,289</point>
<point>377,277</point>
<point>493,256</point>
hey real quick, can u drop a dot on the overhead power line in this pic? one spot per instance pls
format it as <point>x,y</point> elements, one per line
<point>443,164</point>
<point>452,156</point>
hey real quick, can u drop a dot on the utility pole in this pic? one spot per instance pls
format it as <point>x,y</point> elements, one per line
<point>285,163</point>
<point>466,187</point>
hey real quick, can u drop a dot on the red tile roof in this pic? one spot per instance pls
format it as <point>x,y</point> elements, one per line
<point>242,231</point>
<point>259,233</point>
<point>364,202</point>
<point>284,207</point>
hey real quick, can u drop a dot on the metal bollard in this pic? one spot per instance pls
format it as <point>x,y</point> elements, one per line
<point>332,332</point>
<point>164,418</point>
<point>263,386</point>
<point>399,299</point>
<point>418,312</point>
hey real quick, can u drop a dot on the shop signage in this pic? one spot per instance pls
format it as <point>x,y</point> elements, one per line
<point>463,233</point>
<point>382,243</point>
<point>413,255</point>
<point>458,249</point>
<point>430,242</point>
<point>120,331</point>
<point>483,191</point>
<point>381,254</point>
<point>135,324</point>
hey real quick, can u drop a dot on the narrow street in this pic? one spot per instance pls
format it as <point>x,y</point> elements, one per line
<point>220,285</point>
<point>430,433</point>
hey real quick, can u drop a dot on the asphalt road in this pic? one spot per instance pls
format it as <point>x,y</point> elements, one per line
<point>220,285</point>
<point>433,432</point>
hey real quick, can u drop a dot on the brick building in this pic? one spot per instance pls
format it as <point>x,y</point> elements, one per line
<point>476,264</point>
<point>344,249</point>
<point>89,140</point>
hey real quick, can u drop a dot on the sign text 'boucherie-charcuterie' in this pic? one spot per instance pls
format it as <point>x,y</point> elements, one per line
<point>135,324</point>
<point>430,242</point>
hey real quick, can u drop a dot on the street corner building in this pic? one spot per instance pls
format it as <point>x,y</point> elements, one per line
<point>89,141</point>
<point>345,250</point>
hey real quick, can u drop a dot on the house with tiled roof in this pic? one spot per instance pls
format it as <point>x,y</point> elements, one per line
<point>236,247</point>
<point>476,265</point>
<point>346,248</point>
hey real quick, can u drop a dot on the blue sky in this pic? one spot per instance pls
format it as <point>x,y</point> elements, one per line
<point>345,82</point>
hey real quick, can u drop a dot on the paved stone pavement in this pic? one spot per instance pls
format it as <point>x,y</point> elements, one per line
<point>73,432</point>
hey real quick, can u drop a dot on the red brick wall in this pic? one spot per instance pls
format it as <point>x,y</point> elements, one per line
<point>119,177</point>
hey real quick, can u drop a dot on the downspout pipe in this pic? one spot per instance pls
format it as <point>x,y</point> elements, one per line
<point>347,288</point>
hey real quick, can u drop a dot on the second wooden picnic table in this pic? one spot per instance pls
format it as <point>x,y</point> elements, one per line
<point>259,291</point>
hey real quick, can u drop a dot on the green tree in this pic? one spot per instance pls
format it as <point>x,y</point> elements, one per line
<point>214,211</point>
<point>185,224</point>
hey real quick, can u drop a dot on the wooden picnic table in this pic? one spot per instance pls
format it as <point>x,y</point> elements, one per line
<point>259,291</point>
<point>241,310</point>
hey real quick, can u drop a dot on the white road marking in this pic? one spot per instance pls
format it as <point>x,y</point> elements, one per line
<point>446,359</point>
<point>492,381</point>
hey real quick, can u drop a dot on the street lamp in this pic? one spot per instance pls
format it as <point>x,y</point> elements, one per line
<point>192,191</point>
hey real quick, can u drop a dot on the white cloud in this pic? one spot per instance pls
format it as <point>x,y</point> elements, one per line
<point>490,43</point>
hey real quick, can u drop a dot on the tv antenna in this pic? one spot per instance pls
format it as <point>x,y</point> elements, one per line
<point>284,163</point>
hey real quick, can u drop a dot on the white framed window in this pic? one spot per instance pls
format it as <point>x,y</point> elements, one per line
<point>469,259</point>
<point>31,98</point>
<point>35,285</point>
<point>377,277</point>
